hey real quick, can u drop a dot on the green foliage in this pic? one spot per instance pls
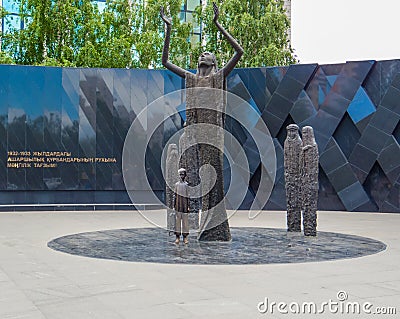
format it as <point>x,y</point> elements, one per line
<point>130,34</point>
<point>54,33</point>
<point>148,34</point>
<point>126,34</point>
<point>5,58</point>
<point>260,26</point>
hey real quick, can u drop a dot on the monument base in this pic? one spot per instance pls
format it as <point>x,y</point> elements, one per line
<point>217,233</point>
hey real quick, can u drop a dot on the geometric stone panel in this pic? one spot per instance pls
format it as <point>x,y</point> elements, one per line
<point>353,107</point>
<point>377,185</point>
<point>353,196</point>
<point>346,135</point>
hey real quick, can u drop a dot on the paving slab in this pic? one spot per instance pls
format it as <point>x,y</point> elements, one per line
<point>39,282</point>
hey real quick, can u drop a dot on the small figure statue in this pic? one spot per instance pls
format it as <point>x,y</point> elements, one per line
<point>292,151</point>
<point>181,206</point>
<point>309,171</point>
<point>215,226</point>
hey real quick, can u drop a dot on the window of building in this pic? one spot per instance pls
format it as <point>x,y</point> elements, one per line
<point>187,9</point>
<point>11,22</point>
<point>192,4</point>
<point>101,4</point>
<point>10,6</point>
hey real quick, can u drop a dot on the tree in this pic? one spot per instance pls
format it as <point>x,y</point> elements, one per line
<point>148,34</point>
<point>5,58</point>
<point>260,26</point>
<point>54,32</point>
<point>129,33</point>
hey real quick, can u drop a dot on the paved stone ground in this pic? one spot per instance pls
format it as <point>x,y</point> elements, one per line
<point>249,245</point>
<point>38,282</point>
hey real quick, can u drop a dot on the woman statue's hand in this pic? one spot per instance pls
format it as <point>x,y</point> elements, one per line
<point>216,12</point>
<point>166,19</point>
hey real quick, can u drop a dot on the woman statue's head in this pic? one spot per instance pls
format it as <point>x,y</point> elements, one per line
<point>308,135</point>
<point>207,59</point>
<point>292,131</point>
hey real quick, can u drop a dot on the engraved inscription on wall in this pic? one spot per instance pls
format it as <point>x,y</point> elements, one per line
<point>49,159</point>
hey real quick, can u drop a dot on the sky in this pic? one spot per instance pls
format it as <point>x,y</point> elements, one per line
<point>336,31</point>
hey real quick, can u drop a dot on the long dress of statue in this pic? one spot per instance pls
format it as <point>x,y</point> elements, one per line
<point>188,159</point>
<point>171,172</point>
<point>309,170</point>
<point>292,152</point>
<point>208,76</point>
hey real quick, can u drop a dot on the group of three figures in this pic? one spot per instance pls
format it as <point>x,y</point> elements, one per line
<point>205,109</point>
<point>301,179</point>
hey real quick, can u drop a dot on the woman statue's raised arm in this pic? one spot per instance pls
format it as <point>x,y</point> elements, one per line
<point>236,46</point>
<point>165,62</point>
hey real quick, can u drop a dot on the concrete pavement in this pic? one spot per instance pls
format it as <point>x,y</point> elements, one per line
<point>37,282</point>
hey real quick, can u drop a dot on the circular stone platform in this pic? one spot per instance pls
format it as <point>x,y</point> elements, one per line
<point>249,245</point>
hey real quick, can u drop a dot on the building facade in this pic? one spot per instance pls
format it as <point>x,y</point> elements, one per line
<point>288,7</point>
<point>12,20</point>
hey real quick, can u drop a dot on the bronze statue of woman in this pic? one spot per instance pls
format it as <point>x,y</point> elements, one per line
<point>214,222</point>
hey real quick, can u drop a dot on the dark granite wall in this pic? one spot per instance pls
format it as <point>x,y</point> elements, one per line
<point>353,107</point>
